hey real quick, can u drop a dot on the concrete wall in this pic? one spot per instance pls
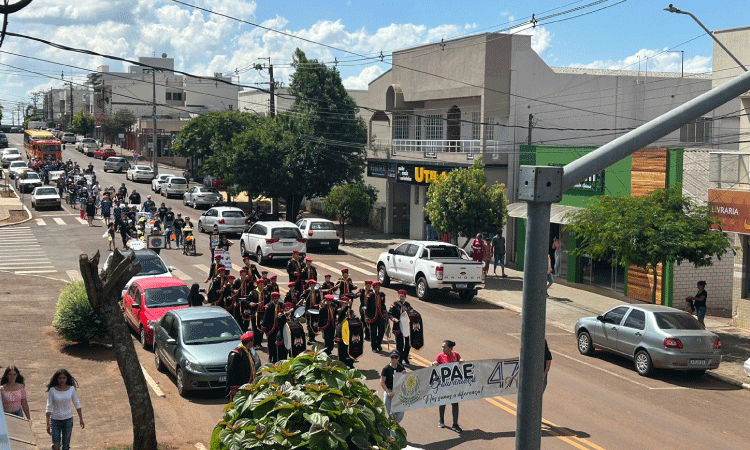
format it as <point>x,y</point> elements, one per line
<point>719,284</point>
<point>737,40</point>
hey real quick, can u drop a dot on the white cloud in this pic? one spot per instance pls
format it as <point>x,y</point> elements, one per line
<point>363,79</point>
<point>653,61</point>
<point>541,38</point>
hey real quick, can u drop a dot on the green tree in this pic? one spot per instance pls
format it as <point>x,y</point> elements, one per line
<point>350,202</point>
<point>461,202</point>
<point>308,402</point>
<point>119,123</point>
<point>83,124</point>
<point>663,227</point>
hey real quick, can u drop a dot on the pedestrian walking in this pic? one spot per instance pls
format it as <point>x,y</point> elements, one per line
<point>498,253</point>
<point>386,382</point>
<point>697,303</point>
<point>487,256</point>
<point>91,210</point>
<point>448,356</point>
<point>13,391</point>
<point>477,248</point>
<point>61,393</point>
<point>178,224</point>
<point>550,277</point>
<point>106,206</point>
<point>557,248</point>
<point>195,298</point>
<point>169,226</point>
<point>111,230</point>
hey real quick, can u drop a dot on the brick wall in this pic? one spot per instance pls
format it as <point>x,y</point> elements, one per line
<point>719,284</point>
<point>740,306</point>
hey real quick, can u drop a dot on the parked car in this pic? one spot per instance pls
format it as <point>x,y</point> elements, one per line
<point>193,344</point>
<point>157,182</point>
<point>16,130</point>
<point>151,265</point>
<point>147,300</point>
<point>652,336</point>
<point>223,219</point>
<point>174,186</point>
<point>45,197</point>
<point>320,233</point>
<point>80,144</point>
<point>89,148</point>
<point>9,155</point>
<point>3,140</point>
<point>104,153</point>
<point>27,181</point>
<point>116,164</point>
<point>268,240</point>
<point>746,366</point>
<point>139,173</point>
<point>216,183</point>
<point>430,266</point>
<point>201,196</point>
<point>68,138</point>
<point>15,167</point>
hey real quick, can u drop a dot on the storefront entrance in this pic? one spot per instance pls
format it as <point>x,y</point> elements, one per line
<point>603,273</point>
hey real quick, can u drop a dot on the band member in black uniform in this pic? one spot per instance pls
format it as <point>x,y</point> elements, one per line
<point>264,277</point>
<point>375,316</point>
<point>312,301</point>
<point>273,286</point>
<point>366,292</point>
<point>294,265</point>
<point>309,272</point>
<point>394,314</point>
<point>327,286</point>
<point>243,289</point>
<point>299,284</point>
<point>343,347</point>
<point>344,285</point>
<point>215,287</point>
<point>258,301</point>
<point>273,320</point>
<point>281,351</point>
<point>291,295</point>
<point>213,270</point>
<point>327,322</point>
<point>252,270</point>
<point>242,365</point>
<point>226,300</point>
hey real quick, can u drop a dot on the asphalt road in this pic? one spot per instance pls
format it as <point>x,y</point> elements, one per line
<point>591,403</point>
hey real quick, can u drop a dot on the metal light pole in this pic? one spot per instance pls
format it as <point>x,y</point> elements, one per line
<point>154,161</point>
<point>672,9</point>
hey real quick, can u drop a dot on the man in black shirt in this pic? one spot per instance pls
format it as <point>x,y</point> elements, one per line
<point>178,224</point>
<point>386,382</point>
<point>547,363</point>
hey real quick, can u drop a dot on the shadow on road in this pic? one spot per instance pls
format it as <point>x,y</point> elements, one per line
<point>480,435</point>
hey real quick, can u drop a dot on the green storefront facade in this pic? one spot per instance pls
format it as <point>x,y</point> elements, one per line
<point>617,179</point>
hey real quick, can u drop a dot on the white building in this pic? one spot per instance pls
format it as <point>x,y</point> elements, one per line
<point>57,104</point>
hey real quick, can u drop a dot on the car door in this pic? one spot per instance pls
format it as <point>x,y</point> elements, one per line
<point>209,219</point>
<point>398,254</point>
<point>127,305</point>
<point>607,329</point>
<point>252,237</point>
<point>407,262</point>
<point>302,224</point>
<point>172,343</point>
<point>161,333</point>
<point>190,195</point>
<point>631,332</point>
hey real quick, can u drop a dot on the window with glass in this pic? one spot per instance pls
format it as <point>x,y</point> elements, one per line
<point>434,127</point>
<point>615,316</point>
<point>489,129</point>
<point>476,125</point>
<point>696,131</point>
<point>401,127</point>
<point>636,319</point>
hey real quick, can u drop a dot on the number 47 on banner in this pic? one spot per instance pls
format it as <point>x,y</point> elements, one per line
<point>505,374</point>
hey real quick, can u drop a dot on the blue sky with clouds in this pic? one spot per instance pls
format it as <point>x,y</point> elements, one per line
<point>203,43</point>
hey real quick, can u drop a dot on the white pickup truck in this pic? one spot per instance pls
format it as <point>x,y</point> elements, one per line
<point>431,265</point>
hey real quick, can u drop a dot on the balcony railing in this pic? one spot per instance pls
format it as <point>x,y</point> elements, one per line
<point>469,146</point>
<point>729,170</point>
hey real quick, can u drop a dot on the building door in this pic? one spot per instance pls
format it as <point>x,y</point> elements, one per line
<point>454,129</point>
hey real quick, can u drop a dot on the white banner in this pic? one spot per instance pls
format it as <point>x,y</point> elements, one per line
<point>453,383</point>
<point>225,258</point>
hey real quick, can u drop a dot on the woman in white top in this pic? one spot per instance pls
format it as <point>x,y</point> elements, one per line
<point>61,392</point>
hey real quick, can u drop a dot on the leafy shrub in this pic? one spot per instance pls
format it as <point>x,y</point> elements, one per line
<point>75,319</point>
<point>308,402</point>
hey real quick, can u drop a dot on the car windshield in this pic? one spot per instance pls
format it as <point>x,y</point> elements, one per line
<point>209,191</point>
<point>677,321</point>
<point>444,251</point>
<point>46,191</point>
<point>286,233</point>
<point>322,226</point>
<point>150,264</point>
<point>146,168</point>
<point>233,214</point>
<point>18,164</point>
<point>209,331</point>
<point>167,296</point>
<point>11,152</point>
<point>178,181</point>
<point>32,176</point>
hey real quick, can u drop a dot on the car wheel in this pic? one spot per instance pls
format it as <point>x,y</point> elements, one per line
<point>466,296</point>
<point>104,169</point>
<point>144,342</point>
<point>423,289</point>
<point>243,250</point>
<point>585,346</point>
<point>335,249</point>
<point>157,360</point>
<point>180,383</point>
<point>383,277</point>
<point>200,227</point>
<point>643,364</point>
<point>259,255</point>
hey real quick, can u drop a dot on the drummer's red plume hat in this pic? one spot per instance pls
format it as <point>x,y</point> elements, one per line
<point>295,252</point>
<point>263,271</point>
<point>247,336</point>
<point>308,259</point>
<point>311,281</point>
<point>230,276</point>
<point>273,277</point>
<point>344,270</point>
<point>275,294</point>
<point>402,292</point>
<point>377,283</point>
<point>368,281</point>
<point>261,280</point>
<point>328,275</point>
<point>291,284</point>
<point>217,256</point>
<point>329,297</point>
<point>243,270</point>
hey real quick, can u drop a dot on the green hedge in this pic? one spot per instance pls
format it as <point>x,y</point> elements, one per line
<point>75,319</point>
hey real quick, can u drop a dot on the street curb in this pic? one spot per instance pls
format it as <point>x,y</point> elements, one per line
<point>24,208</point>
<point>728,380</point>
<point>358,256</point>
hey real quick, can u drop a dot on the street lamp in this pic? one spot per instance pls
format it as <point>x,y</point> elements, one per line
<point>672,9</point>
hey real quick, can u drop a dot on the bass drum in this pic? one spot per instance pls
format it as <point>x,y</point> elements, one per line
<point>287,336</point>
<point>351,334</point>
<point>297,338</point>
<point>403,324</point>
<point>416,331</point>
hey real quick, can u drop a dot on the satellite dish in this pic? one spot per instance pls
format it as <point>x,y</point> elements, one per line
<point>163,55</point>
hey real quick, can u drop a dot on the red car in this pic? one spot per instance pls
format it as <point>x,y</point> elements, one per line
<point>104,153</point>
<point>148,299</point>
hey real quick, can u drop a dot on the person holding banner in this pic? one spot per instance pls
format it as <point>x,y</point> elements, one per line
<point>448,356</point>
<point>403,344</point>
<point>386,382</point>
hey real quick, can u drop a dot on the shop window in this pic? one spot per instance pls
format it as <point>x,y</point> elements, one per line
<point>696,131</point>
<point>401,127</point>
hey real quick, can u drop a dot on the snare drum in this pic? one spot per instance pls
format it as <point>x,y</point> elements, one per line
<point>299,312</point>
<point>287,336</point>
<point>403,324</point>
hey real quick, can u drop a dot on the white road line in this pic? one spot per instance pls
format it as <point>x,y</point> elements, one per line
<point>152,383</point>
<point>200,446</point>
<point>21,272</point>
<point>181,275</point>
<point>74,275</point>
<point>41,222</point>
<point>202,267</point>
<point>24,258</point>
<point>26,250</point>
<point>59,221</point>
<point>353,267</point>
<point>82,221</point>
<point>25,266</point>
<point>331,268</point>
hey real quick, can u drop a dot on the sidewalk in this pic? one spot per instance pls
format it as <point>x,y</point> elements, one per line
<point>567,303</point>
<point>12,210</point>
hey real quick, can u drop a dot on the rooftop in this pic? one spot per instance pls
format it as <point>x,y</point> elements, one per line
<point>628,73</point>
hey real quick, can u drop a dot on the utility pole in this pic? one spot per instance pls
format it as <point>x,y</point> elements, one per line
<point>155,162</point>
<point>531,126</point>
<point>272,87</point>
<point>71,105</point>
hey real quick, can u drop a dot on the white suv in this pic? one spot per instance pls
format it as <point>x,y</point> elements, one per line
<point>156,182</point>
<point>269,240</point>
<point>174,186</point>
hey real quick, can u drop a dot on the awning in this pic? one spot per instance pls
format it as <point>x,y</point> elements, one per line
<point>558,213</point>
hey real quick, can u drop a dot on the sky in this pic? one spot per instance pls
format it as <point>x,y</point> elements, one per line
<point>231,36</point>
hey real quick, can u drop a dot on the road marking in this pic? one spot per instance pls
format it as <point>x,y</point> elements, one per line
<point>331,268</point>
<point>7,266</point>
<point>353,267</point>
<point>202,267</point>
<point>152,383</point>
<point>59,221</point>
<point>41,222</point>
<point>21,272</point>
<point>181,275</point>
<point>74,275</point>
<point>35,259</point>
<point>82,221</point>
<point>200,446</point>
<point>26,251</point>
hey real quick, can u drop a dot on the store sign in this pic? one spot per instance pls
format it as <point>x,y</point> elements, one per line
<point>594,183</point>
<point>406,173</point>
<point>731,208</point>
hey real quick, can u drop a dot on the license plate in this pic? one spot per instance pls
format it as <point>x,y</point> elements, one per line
<point>462,286</point>
<point>288,244</point>
<point>222,379</point>
<point>324,243</point>
<point>697,362</point>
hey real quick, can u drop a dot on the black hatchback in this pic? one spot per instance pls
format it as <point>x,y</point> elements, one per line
<point>3,140</point>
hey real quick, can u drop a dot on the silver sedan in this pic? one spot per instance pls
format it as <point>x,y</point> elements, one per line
<point>652,336</point>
